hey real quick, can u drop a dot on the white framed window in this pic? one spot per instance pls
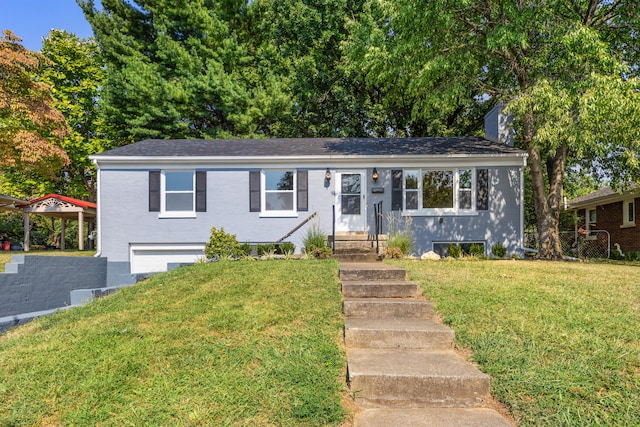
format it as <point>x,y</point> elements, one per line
<point>629,213</point>
<point>279,193</point>
<point>178,193</point>
<point>591,219</point>
<point>439,191</point>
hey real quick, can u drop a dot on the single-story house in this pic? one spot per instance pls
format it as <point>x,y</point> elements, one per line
<point>158,199</point>
<point>611,211</point>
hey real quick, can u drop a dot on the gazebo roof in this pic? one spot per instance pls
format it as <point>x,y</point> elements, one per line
<point>59,206</point>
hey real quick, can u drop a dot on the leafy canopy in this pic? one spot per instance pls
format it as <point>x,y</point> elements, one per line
<point>31,128</point>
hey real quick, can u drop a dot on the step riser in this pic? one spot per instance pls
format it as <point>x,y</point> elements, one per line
<point>425,340</point>
<point>367,246</point>
<point>388,309</point>
<point>390,290</point>
<point>418,392</point>
<point>373,275</point>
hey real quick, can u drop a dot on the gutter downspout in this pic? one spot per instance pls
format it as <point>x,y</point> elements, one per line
<point>524,163</point>
<point>98,212</point>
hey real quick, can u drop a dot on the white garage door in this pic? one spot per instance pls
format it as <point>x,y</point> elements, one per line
<point>153,258</point>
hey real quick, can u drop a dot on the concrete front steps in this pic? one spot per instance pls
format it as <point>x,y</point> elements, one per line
<point>356,246</point>
<point>402,369</point>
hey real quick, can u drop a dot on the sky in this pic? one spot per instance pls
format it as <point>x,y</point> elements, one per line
<point>31,20</point>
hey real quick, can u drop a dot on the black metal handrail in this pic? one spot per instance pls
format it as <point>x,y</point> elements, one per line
<point>377,209</point>
<point>297,227</point>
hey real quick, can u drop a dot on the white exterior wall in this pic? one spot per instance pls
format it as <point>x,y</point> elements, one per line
<point>503,221</point>
<point>125,219</point>
<point>125,223</point>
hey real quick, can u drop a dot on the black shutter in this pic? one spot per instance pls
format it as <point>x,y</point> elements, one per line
<point>154,191</point>
<point>396,190</point>
<point>482,195</point>
<point>201,191</point>
<point>254,191</point>
<point>303,190</point>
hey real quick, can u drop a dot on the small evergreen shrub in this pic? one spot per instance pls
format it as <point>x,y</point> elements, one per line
<point>286,248</point>
<point>498,250</point>
<point>476,250</point>
<point>245,249</point>
<point>263,249</point>
<point>222,245</point>
<point>454,251</point>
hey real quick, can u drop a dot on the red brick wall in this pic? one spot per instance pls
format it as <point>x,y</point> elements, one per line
<point>609,217</point>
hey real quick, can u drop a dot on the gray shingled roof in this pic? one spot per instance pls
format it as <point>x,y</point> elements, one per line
<point>311,147</point>
<point>604,194</point>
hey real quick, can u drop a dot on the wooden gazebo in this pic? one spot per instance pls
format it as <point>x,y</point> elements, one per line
<point>57,206</point>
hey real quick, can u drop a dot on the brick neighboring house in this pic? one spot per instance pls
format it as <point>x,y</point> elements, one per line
<point>612,211</point>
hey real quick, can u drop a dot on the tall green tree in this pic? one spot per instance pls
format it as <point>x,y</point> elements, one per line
<point>303,38</point>
<point>73,72</point>
<point>185,69</point>
<point>564,69</point>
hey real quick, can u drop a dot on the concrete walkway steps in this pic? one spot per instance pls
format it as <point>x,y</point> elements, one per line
<point>404,333</point>
<point>402,369</point>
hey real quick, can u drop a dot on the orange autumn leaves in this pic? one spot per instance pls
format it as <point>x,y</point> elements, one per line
<point>30,127</point>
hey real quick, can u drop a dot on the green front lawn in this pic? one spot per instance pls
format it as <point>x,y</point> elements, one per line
<point>560,340</point>
<point>255,343</point>
<point>259,343</point>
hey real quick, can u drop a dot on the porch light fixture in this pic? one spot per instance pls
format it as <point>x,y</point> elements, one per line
<point>375,175</point>
<point>327,176</point>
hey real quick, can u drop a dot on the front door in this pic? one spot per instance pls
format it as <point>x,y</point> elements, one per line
<point>350,201</point>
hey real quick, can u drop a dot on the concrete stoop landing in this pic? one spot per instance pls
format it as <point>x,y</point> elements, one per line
<point>402,369</point>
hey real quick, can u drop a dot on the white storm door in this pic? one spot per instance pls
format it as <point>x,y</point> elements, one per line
<point>351,210</point>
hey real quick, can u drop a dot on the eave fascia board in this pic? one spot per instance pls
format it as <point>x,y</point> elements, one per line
<point>333,161</point>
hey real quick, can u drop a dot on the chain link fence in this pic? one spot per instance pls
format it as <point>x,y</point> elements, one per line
<point>596,244</point>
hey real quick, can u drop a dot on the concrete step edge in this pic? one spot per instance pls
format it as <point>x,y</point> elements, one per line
<point>399,333</point>
<point>414,378</point>
<point>381,289</point>
<point>434,417</point>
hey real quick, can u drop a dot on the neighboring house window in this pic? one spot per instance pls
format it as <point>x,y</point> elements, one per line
<point>591,219</point>
<point>439,191</point>
<point>629,213</point>
<point>177,193</point>
<point>278,192</point>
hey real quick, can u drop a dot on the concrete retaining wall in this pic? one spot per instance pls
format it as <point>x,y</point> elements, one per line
<point>33,283</point>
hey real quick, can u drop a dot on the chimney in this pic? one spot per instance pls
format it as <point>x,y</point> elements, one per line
<point>498,126</point>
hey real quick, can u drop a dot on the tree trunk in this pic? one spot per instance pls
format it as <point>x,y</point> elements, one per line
<point>547,202</point>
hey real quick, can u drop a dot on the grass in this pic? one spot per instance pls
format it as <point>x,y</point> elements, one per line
<point>229,344</point>
<point>561,341</point>
<point>5,256</point>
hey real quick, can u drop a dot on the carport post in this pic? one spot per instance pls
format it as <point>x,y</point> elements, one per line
<point>80,230</point>
<point>62,230</point>
<point>27,226</point>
